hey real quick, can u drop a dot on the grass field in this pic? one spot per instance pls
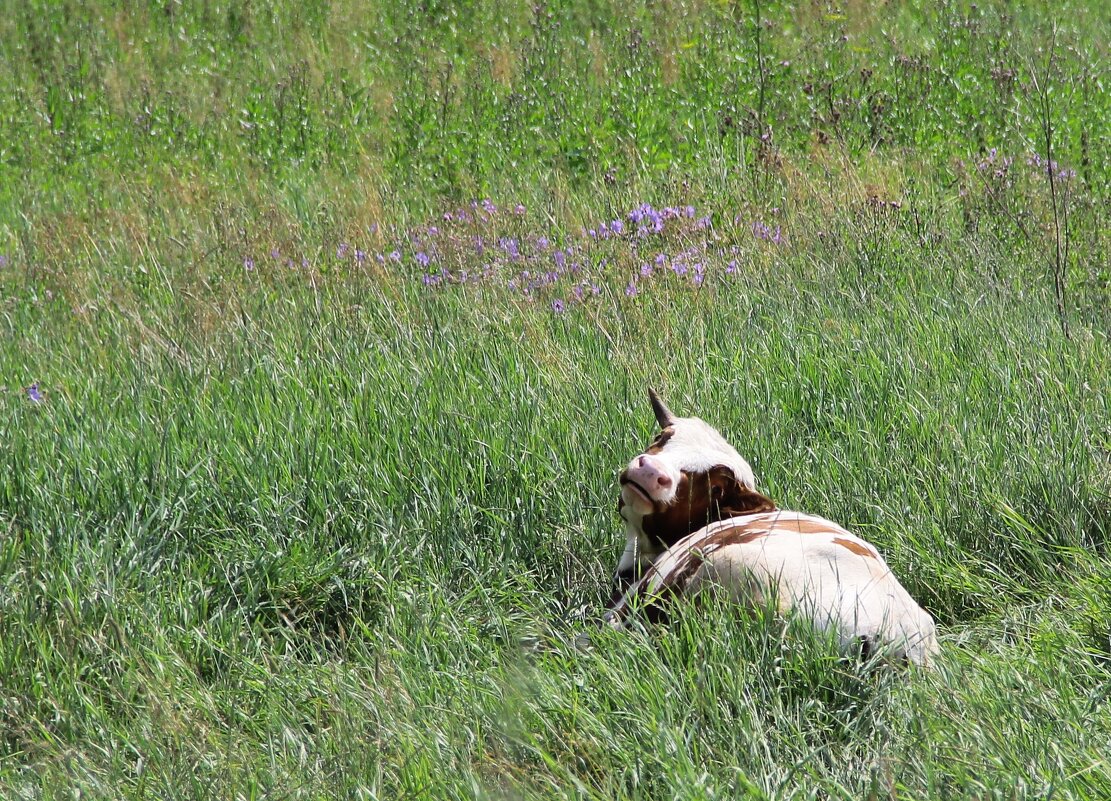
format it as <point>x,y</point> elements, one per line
<point>325,329</point>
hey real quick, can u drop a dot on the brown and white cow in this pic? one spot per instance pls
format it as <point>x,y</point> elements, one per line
<point>695,520</point>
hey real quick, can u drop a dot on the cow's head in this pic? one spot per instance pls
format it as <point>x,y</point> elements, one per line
<point>687,478</point>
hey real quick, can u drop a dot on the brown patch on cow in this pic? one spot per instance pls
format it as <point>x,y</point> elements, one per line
<point>855,547</point>
<point>731,535</point>
<point>803,526</point>
<point>661,440</point>
<point>749,536</point>
<point>669,523</point>
<point>735,499</point>
<point>701,499</point>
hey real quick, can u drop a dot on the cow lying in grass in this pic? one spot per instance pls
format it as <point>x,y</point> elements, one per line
<point>694,519</point>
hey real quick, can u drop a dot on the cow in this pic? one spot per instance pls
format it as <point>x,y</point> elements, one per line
<point>694,519</point>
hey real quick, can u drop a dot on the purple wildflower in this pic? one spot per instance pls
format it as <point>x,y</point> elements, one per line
<point>34,394</point>
<point>577,292</point>
<point>731,267</point>
<point>360,255</point>
<point>560,259</point>
<point>688,211</point>
<point>558,306</point>
<point>341,251</point>
<point>631,289</point>
<point>646,269</point>
<point>422,258</point>
<point>595,289</point>
<point>395,255</point>
<point>617,227</point>
<point>275,254</point>
<point>762,230</point>
<point>519,209</point>
<point>542,243</point>
<point>248,264</point>
<point>3,261</point>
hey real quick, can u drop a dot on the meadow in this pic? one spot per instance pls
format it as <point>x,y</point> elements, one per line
<point>326,327</point>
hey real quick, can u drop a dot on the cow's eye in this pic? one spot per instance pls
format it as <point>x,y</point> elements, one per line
<point>661,440</point>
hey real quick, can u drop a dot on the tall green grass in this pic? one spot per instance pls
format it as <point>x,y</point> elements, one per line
<point>290,523</point>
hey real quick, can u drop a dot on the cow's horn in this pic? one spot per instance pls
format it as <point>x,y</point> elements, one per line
<point>663,414</point>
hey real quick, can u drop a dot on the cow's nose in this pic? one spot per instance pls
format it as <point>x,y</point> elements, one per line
<point>663,481</point>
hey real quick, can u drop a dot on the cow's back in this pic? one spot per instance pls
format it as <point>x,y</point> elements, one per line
<point>804,564</point>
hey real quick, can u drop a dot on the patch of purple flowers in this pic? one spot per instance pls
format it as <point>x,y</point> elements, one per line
<point>762,230</point>
<point>1050,167</point>
<point>644,245</point>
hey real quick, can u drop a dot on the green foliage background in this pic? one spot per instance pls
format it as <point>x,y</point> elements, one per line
<point>288,529</point>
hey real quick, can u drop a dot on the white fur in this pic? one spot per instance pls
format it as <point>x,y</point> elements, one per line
<point>849,594</point>
<point>696,446</point>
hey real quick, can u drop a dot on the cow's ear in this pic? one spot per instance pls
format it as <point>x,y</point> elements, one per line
<point>732,497</point>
